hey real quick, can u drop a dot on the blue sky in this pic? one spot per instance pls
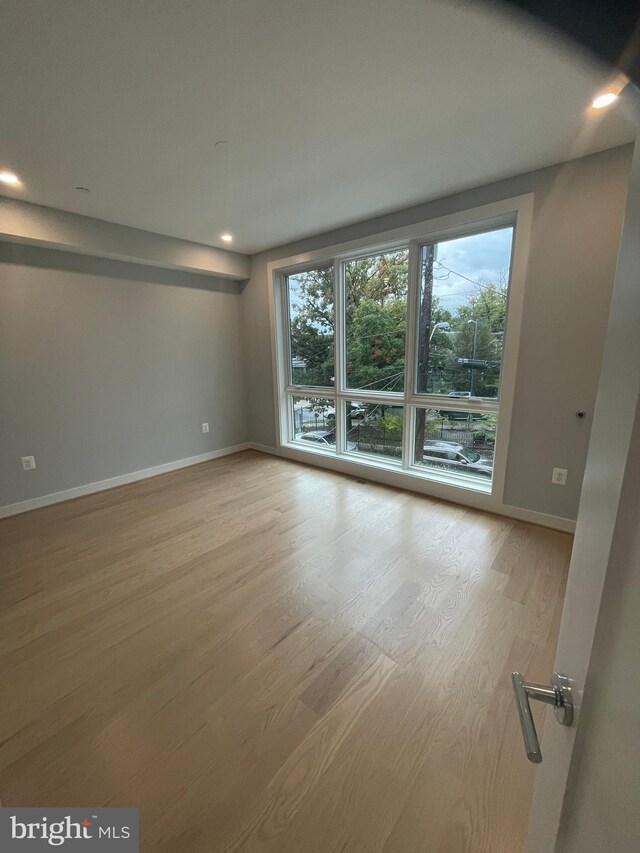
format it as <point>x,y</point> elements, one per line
<point>479,257</point>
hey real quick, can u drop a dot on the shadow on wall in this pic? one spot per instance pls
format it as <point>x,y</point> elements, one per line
<point>34,256</point>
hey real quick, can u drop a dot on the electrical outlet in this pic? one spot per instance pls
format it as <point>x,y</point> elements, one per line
<point>205,427</point>
<point>559,476</point>
<point>28,463</point>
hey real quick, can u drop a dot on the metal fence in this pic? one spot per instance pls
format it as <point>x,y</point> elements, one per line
<point>460,436</point>
<point>305,420</point>
<point>374,434</point>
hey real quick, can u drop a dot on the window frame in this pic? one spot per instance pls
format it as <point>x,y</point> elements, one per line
<point>514,212</point>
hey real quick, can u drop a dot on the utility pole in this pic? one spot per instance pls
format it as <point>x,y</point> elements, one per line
<point>475,344</point>
<point>426,280</point>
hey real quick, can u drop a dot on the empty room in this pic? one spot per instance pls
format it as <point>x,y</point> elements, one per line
<point>319,433</point>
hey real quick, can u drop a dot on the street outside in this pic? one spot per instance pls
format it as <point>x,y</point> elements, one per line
<point>452,441</point>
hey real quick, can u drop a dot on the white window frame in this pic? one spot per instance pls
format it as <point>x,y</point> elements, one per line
<point>516,212</point>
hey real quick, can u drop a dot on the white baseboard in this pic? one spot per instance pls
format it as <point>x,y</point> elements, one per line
<point>342,466</point>
<point>121,480</point>
<point>265,448</point>
<point>397,479</point>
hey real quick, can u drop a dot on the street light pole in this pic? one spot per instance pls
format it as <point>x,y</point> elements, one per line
<point>442,325</point>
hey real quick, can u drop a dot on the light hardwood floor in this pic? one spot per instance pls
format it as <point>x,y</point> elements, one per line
<point>263,656</point>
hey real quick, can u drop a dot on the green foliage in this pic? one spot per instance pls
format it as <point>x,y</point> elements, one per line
<point>485,431</point>
<point>375,345</point>
<point>488,304</point>
<point>434,426</point>
<point>390,423</point>
<point>375,296</point>
<point>312,326</point>
<point>381,278</point>
<point>319,405</point>
<point>376,316</point>
<point>488,307</point>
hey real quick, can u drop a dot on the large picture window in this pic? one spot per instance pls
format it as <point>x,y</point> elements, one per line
<point>394,357</point>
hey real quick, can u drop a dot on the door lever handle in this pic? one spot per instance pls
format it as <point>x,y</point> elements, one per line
<point>557,694</point>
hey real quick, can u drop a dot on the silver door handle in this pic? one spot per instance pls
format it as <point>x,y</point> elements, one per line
<point>558,695</point>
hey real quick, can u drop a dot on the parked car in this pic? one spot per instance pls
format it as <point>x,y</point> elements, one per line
<point>357,412</point>
<point>321,413</point>
<point>459,416</point>
<point>323,438</point>
<point>452,455</point>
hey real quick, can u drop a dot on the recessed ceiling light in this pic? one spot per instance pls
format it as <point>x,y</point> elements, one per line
<point>226,237</point>
<point>604,100</point>
<point>9,178</point>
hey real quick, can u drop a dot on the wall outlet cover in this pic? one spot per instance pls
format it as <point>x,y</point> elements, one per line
<point>28,463</point>
<point>205,427</point>
<point>559,476</point>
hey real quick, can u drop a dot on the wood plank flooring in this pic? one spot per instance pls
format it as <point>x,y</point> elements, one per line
<point>264,656</point>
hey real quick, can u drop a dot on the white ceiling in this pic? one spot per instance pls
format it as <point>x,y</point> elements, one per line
<point>334,110</point>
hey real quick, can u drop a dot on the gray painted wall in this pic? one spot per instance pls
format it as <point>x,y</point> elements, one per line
<point>578,213</point>
<point>111,367</point>
<point>601,806</point>
<point>23,222</point>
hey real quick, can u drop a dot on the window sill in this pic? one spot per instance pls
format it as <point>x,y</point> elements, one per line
<point>306,447</point>
<point>458,481</point>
